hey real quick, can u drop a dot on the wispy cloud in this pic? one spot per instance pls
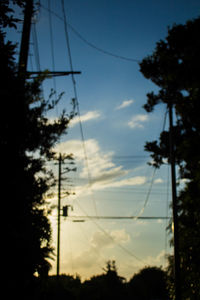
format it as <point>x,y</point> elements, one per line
<point>100,240</point>
<point>156,260</point>
<point>102,171</point>
<point>90,115</point>
<point>124,104</point>
<point>158,180</point>
<point>90,261</point>
<point>113,182</point>
<point>137,121</point>
<point>101,166</point>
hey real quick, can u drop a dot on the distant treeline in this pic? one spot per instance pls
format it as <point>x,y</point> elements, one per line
<point>148,284</point>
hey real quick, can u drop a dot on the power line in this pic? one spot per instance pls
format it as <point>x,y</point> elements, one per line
<point>36,48</point>
<point>110,237</point>
<point>147,196</point>
<point>153,176</point>
<point>133,191</point>
<point>167,212</point>
<point>52,51</point>
<point>119,217</point>
<point>81,129</point>
<point>130,156</point>
<point>76,100</point>
<point>100,49</point>
<point>83,39</point>
<point>95,249</point>
<point>51,37</point>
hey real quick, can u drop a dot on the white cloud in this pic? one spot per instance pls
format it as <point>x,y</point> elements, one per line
<point>101,240</point>
<point>158,260</point>
<point>104,182</point>
<point>150,261</point>
<point>158,180</point>
<point>90,115</point>
<point>77,148</point>
<point>137,121</point>
<point>120,236</point>
<point>91,260</point>
<point>137,180</point>
<point>98,171</point>
<point>100,163</point>
<point>160,221</point>
<point>124,104</point>
<point>86,263</point>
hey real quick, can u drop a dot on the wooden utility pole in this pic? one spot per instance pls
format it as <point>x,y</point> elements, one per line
<point>58,219</point>
<point>175,209</point>
<point>22,73</point>
<point>24,47</point>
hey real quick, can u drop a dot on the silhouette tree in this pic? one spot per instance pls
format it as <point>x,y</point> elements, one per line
<point>149,284</point>
<point>173,67</point>
<point>27,140</point>
<point>64,287</point>
<point>106,286</point>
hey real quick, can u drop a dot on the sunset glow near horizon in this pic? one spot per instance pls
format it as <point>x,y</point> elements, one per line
<point>113,177</point>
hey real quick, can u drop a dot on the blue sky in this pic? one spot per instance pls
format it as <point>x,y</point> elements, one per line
<point>114,178</point>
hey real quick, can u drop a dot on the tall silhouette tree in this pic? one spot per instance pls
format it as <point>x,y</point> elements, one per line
<point>27,140</point>
<point>148,284</point>
<point>105,286</point>
<point>174,68</point>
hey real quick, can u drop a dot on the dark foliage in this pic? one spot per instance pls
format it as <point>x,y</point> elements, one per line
<point>174,68</point>
<point>64,287</point>
<point>149,284</point>
<point>106,286</point>
<point>26,145</point>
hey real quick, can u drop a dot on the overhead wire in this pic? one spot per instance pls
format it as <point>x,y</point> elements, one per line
<point>147,196</point>
<point>83,139</point>
<point>167,196</point>
<point>83,39</point>
<point>152,177</point>
<point>70,250</point>
<point>167,213</point>
<point>95,249</point>
<point>77,102</point>
<point>36,48</point>
<point>130,156</point>
<point>100,49</point>
<point>34,21</point>
<point>52,50</point>
<point>127,251</point>
<point>35,44</point>
<point>66,25</point>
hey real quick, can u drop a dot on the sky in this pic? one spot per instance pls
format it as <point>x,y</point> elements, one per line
<point>112,177</point>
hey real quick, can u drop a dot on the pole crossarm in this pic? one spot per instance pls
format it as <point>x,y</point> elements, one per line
<point>52,73</point>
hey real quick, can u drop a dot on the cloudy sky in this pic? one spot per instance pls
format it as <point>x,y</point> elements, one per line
<point>107,39</point>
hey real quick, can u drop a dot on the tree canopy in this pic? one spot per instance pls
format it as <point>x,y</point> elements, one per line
<point>173,67</point>
<point>149,283</point>
<point>27,140</point>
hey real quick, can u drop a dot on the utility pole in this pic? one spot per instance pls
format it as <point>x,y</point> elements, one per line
<point>174,205</point>
<point>64,209</point>
<point>22,74</point>
<point>24,47</point>
<point>59,200</point>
